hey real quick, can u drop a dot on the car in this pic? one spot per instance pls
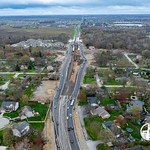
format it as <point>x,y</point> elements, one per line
<point>55,107</point>
<point>67,107</point>
<point>72,128</point>
<point>67,117</point>
<point>69,129</point>
<point>70,115</point>
<point>71,141</point>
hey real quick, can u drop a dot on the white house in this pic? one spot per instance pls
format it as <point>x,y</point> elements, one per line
<point>9,106</point>
<point>20,129</point>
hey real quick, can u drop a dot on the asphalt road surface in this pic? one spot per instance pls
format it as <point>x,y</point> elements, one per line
<point>65,98</point>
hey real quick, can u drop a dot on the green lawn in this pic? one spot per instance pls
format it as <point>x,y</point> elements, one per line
<point>1,137</point>
<point>132,56</point>
<point>106,101</point>
<point>2,83</point>
<point>103,66</point>
<point>146,147</point>
<point>82,103</point>
<point>74,32</point>
<point>9,75</point>
<point>88,80</point>
<point>12,114</point>
<point>135,133</point>
<point>113,82</point>
<point>102,147</point>
<point>41,109</point>
<point>22,75</point>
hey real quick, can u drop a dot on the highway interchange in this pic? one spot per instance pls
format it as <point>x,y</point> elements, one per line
<point>65,99</point>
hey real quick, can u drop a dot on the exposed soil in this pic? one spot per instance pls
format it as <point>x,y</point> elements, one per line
<point>75,71</point>
<point>45,91</point>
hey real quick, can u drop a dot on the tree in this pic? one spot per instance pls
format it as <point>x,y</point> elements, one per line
<point>122,97</point>
<point>8,137</point>
<point>101,58</point>
<point>108,108</point>
<point>24,99</point>
<point>120,121</point>
<point>17,68</point>
<point>24,59</point>
<point>38,143</point>
<point>136,112</point>
<point>30,66</point>
<point>146,54</point>
<point>82,97</point>
<point>115,130</point>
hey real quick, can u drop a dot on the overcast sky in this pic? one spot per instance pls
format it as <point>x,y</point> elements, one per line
<point>61,7</point>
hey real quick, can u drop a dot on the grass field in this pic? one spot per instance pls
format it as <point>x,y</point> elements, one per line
<point>74,32</point>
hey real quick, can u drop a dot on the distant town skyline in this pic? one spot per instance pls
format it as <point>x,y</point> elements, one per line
<point>73,7</point>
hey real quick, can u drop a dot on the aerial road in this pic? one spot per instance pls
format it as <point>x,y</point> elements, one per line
<point>65,99</point>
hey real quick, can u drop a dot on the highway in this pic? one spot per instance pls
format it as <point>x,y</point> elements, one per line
<point>65,99</point>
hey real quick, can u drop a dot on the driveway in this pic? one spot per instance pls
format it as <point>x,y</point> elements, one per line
<point>3,121</point>
<point>92,144</point>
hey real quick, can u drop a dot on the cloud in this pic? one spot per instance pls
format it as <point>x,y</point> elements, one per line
<point>71,10</point>
<point>53,7</point>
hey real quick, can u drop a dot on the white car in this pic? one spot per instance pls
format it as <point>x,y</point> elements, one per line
<point>67,117</point>
<point>70,115</point>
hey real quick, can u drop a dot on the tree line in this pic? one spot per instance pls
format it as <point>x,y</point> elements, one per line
<point>133,39</point>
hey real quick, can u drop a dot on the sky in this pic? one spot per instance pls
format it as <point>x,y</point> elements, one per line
<point>73,7</point>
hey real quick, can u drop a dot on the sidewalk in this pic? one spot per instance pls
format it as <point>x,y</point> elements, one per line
<point>78,129</point>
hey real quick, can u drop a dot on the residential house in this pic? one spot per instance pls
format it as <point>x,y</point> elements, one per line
<point>45,78</point>
<point>56,64</point>
<point>112,106</point>
<point>50,68</point>
<point>137,147</point>
<point>93,101</point>
<point>114,129</point>
<point>24,67</point>
<point>26,112</point>
<point>122,79</point>
<point>119,71</point>
<point>9,106</point>
<point>145,72</point>
<point>20,129</point>
<point>135,103</point>
<point>100,112</point>
<point>91,48</point>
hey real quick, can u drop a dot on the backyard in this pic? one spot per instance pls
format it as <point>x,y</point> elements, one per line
<point>37,107</point>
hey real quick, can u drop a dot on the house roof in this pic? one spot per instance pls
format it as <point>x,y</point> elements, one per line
<point>122,78</point>
<point>26,108</point>
<point>92,100</point>
<point>135,103</point>
<point>8,104</point>
<point>100,111</point>
<point>137,147</point>
<point>108,124</point>
<point>20,126</point>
